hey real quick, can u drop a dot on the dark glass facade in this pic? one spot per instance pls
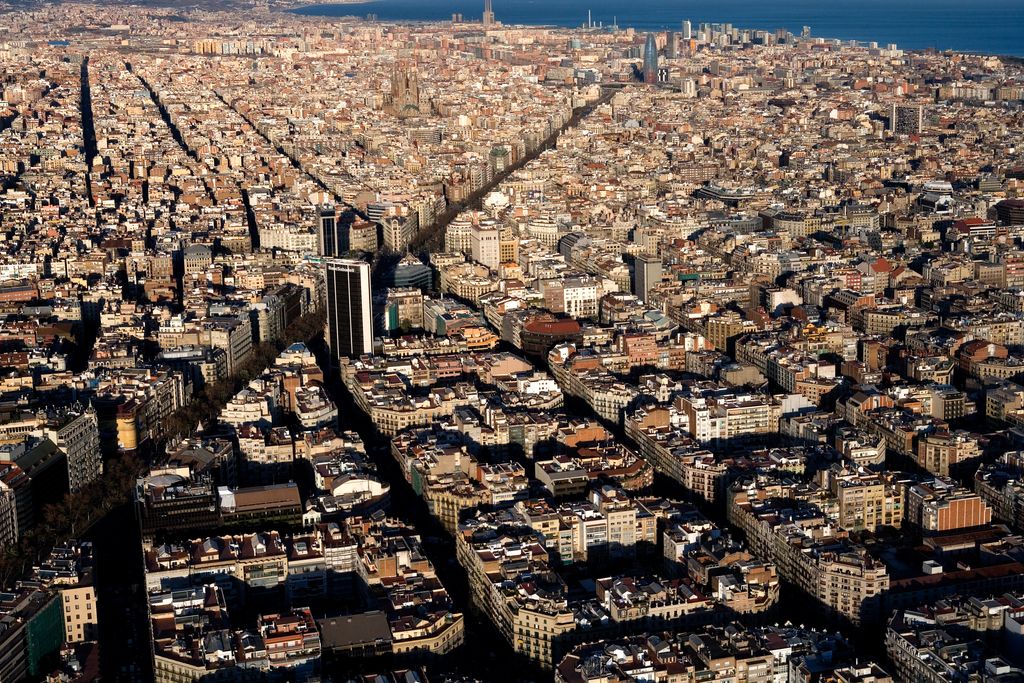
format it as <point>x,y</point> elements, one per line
<point>349,317</point>
<point>329,245</point>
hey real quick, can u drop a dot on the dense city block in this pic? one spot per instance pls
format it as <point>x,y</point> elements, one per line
<point>338,349</point>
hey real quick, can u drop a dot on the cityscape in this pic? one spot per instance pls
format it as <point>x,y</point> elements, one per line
<point>340,349</point>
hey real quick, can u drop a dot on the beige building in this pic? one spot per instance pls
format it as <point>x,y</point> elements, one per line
<point>940,451</point>
<point>485,245</point>
<point>807,551</point>
<point>78,604</point>
<point>721,328</point>
<point>69,572</point>
<point>867,500</point>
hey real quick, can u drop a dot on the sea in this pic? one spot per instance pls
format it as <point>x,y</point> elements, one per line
<point>977,26</point>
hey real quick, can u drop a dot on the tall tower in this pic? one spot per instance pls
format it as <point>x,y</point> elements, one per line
<point>646,274</point>
<point>687,30</point>
<point>488,13</point>
<point>906,119</point>
<point>328,242</point>
<point>650,59</point>
<point>349,312</point>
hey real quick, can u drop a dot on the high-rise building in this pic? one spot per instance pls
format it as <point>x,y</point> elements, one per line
<point>329,240</point>
<point>485,241</point>
<point>651,59</point>
<point>349,312</point>
<point>488,14</point>
<point>687,30</point>
<point>9,533</point>
<point>76,432</point>
<point>646,274</point>
<point>671,45</point>
<point>906,119</point>
<point>1011,212</point>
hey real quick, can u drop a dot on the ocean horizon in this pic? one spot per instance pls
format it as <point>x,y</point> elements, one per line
<point>980,26</point>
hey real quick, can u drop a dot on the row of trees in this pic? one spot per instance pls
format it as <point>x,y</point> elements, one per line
<point>207,403</point>
<point>71,517</point>
<point>75,514</point>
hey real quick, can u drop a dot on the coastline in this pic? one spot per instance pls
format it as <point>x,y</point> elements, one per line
<point>338,10</point>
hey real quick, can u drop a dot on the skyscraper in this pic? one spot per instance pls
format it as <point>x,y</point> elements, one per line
<point>349,312</point>
<point>488,13</point>
<point>328,239</point>
<point>687,30</point>
<point>76,432</point>
<point>906,119</point>
<point>650,59</point>
<point>646,274</point>
<point>486,245</point>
